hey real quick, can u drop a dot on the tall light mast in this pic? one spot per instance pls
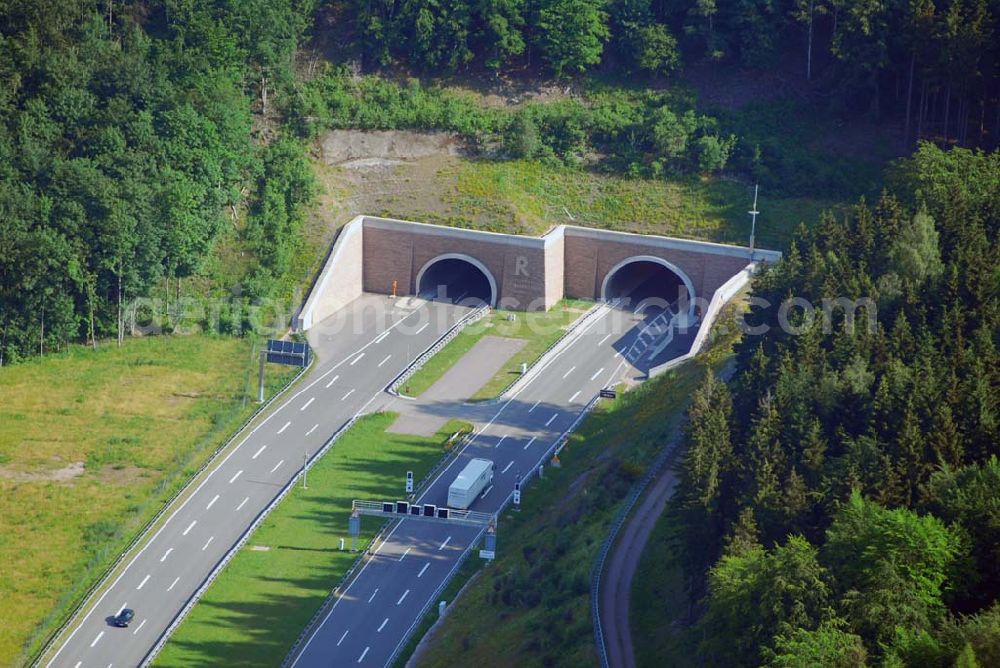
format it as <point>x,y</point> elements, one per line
<point>753,220</point>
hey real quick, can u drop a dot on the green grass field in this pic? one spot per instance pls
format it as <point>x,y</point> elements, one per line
<point>107,435</point>
<point>262,601</point>
<point>529,197</point>
<point>539,329</point>
<point>532,606</point>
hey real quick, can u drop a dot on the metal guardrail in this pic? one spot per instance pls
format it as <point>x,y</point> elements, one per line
<point>221,564</point>
<point>586,317</point>
<point>332,598</point>
<point>598,567</point>
<point>407,373</point>
<point>433,597</point>
<point>348,576</point>
<point>141,534</point>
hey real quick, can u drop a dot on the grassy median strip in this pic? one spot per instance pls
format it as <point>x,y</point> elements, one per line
<point>541,329</point>
<point>260,603</point>
<point>92,443</point>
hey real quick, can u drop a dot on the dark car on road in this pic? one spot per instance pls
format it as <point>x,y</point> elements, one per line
<point>122,619</point>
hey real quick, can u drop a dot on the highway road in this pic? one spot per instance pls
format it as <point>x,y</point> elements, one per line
<point>371,620</point>
<point>362,348</point>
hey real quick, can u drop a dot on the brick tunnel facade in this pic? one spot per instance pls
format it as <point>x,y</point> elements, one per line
<point>377,255</point>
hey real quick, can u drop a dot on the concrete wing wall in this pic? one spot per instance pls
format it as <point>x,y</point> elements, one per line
<point>340,280</point>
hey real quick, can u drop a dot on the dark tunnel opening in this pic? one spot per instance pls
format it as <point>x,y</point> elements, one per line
<point>457,281</point>
<point>647,286</point>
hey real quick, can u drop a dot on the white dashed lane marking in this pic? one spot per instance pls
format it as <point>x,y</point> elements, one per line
<point>349,393</point>
<point>207,543</point>
<point>445,543</point>
<point>190,526</point>
<point>571,370</point>
<point>314,427</point>
<point>238,474</point>
<point>363,654</point>
<point>387,357</point>
<point>357,359</point>
<point>287,425</point>
<point>401,598</point>
<point>166,554</point>
<point>507,468</point>
<point>573,398</point>
<point>243,503</point>
<point>372,597</point>
<point>420,574</point>
<point>212,502</point>
<point>257,454</point>
<point>502,438</point>
<point>176,580</point>
<point>277,465</point>
<point>306,405</point>
<point>598,373</point>
<point>342,637</point>
<point>332,381</point>
<point>382,625</point>
<point>99,636</point>
<point>526,446</point>
<point>143,583</point>
<point>552,419</point>
<point>534,405</point>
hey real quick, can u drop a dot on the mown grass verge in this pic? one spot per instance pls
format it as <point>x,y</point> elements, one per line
<point>260,603</point>
<point>540,329</point>
<point>532,606</point>
<point>140,420</point>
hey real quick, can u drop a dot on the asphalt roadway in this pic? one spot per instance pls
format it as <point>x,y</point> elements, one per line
<point>362,349</point>
<point>372,618</point>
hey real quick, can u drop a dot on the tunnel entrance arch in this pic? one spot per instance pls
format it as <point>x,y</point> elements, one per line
<point>457,277</point>
<point>644,276</point>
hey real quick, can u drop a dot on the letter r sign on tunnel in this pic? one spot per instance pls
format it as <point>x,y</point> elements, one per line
<point>521,266</point>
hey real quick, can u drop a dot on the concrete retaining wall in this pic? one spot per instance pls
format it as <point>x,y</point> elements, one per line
<point>340,279</point>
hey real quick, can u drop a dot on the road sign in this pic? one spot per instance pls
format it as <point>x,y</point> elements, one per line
<point>517,493</point>
<point>609,393</point>
<point>487,554</point>
<point>409,482</point>
<point>291,353</point>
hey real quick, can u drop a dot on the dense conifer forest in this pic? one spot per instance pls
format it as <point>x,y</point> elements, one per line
<point>841,496</point>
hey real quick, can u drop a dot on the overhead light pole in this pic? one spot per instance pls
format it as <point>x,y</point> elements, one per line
<point>753,220</point>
